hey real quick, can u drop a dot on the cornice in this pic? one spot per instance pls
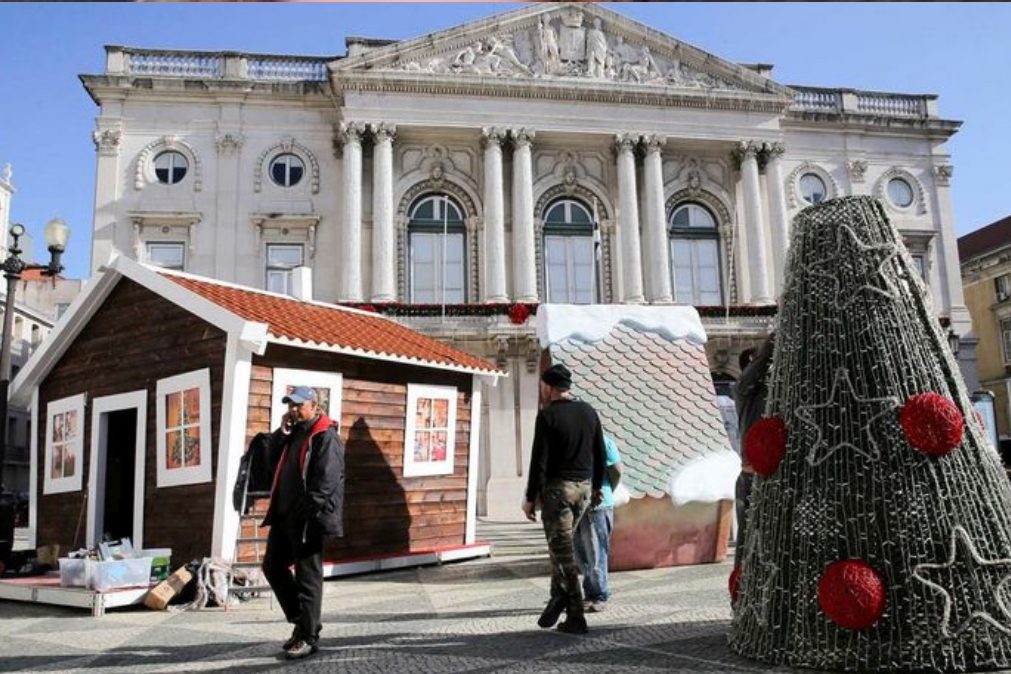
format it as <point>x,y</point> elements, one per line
<point>944,128</point>
<point>651,95</point>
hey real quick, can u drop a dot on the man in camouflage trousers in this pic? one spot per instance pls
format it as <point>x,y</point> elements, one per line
<point>566,474</point>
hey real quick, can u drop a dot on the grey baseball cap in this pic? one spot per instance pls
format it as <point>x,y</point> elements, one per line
<point>299,395</point>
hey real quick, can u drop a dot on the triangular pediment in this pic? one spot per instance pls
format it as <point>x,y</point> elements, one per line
<point>568,43</point>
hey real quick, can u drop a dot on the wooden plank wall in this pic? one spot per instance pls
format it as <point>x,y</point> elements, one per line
<point>132,341</point>
<point>384,512</point>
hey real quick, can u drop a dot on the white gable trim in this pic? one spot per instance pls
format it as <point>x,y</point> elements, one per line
<point>252,335</point>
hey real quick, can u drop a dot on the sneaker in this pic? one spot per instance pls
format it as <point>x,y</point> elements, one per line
<point>596,606</point>
<point>296,636</point>
<point>551,612</point>
<point>301,649</point>
<point>573,625</point>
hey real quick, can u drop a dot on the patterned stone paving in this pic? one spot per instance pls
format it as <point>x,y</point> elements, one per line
<point>474,617</point>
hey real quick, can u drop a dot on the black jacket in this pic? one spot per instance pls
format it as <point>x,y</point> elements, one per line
<point>321,492</point>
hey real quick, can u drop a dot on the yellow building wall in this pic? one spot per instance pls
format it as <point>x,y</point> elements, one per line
<point>981,300</point>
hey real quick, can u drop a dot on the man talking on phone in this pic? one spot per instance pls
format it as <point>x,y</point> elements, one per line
<point>306,504</point>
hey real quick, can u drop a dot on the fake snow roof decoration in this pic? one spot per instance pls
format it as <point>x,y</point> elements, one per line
<point>879,536</point>
<point>644,369</point>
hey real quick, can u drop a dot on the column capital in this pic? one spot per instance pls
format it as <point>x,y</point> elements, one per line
<point>383,131</point>
<point>943,173</point>
<point>229,143</point>
<point>747,149</point>
<point>492,135</point>
<point>857,168</point>
<point>653,142</point>
<point>522,136</point>
<point>773,150</point>
<point>625,142</point>
<point>350,132</point>
<point>107,141</point>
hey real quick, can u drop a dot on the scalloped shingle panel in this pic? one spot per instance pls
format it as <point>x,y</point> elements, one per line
<point>655,398</point>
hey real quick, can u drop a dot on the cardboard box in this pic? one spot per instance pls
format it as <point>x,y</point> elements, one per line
<point>49,554</point>
<point>160,596</point>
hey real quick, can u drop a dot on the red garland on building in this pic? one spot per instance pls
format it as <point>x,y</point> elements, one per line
<point>519,313</point>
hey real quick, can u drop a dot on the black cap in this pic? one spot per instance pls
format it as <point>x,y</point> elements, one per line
<point>557,376</point>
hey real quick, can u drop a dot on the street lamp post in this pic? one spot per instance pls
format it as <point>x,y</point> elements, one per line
<point>57,234</point>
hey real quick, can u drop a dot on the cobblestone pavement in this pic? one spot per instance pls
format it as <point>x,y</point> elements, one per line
<point>477,616</point>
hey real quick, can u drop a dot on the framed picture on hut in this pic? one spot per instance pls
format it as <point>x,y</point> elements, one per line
<point>326,384</point>
<point>64,445</point>
<point>183,411</point>
<point>430,431</point>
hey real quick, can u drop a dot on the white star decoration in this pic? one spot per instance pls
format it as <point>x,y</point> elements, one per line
<point>859,416</point>
<point>762,600</point>
<point>962,587</point>
<point>851,251</point>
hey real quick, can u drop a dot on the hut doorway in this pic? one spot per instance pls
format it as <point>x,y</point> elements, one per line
<point>116,482</point>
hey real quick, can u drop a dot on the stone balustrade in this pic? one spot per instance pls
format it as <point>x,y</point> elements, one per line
<point>848,101</point>
<point>215,65</point>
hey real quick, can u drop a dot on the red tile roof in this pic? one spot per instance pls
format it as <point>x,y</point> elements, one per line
<point>314,322</point>
<point>984,240</point>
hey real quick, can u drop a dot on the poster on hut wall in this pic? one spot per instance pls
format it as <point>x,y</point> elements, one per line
<point>64,447</point>
<point>327,386</point>
<point>183,411</point>
<point>430,430</point>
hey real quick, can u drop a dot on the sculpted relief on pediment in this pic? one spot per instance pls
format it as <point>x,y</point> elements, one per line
<point>566,45</point>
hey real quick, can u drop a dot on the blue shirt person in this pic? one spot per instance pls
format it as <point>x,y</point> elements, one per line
<point>593,534</point>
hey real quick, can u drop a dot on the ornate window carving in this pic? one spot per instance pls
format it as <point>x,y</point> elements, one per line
<point>436,251</point>
<point>289,146</point>
<point>889,188</point>
<point>571,245</point>
<point>160,159</point>
<point>794,191</point>
<point>462,199</point>
<point>696,267</point>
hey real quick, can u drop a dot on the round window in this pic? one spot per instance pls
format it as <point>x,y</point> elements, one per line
<point>170,167</point>
<point>900,193</point>
<point>812,188</point>
<point>286,170</point>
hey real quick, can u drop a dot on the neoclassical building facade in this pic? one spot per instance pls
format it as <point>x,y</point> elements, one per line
<point>558,153</point>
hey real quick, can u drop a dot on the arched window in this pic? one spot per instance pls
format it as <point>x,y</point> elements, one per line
<point>695,256</point>
<point>570,252</point>
<point>437,244</point>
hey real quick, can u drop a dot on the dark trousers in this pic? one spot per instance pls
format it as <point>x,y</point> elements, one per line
<point>300,594</point>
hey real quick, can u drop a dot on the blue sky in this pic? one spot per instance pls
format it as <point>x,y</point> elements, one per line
<point>960,51</point>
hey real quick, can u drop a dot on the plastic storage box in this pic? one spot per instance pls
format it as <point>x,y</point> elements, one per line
<point>119,573</point>
<point>73,572</point>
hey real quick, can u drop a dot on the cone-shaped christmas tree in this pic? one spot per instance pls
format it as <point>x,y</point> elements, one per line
<point>880,530</point>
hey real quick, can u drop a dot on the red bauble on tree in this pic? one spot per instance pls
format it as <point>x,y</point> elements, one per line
<point>932,423</point>
<point>734,583</point>
<point>851,594</point>
<point>519,313</point>
<point>764,445</point>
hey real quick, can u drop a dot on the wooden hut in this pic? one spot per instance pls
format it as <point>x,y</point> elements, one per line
<point>154,382</point>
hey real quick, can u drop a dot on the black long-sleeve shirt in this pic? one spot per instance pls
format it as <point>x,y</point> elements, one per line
<point>568,445</point>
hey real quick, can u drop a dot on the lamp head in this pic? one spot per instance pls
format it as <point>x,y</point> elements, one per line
<point>17,230</point>
<point>57,234</point>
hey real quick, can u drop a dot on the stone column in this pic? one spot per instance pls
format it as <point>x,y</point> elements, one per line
<point>226,229</point>
<point>656,250</point>
<point>384,277</point>
<point>628,220</point>
<point>107,140</point>
<point>349,246</point>
<point>758,266</point>
<point>779,224</point>
<point>524,246</point>
<point>494,218</point>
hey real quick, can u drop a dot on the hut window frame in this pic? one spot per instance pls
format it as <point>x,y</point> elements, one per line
<point>417,429</point>
<point>59,410</point>
<point>200,471</point>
